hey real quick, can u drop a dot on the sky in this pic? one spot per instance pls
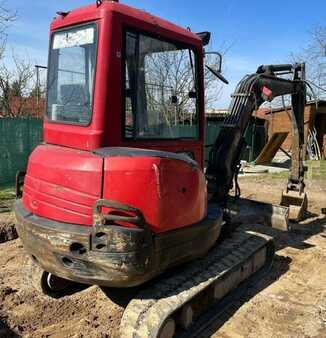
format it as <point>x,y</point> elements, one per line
<point>250,32</point>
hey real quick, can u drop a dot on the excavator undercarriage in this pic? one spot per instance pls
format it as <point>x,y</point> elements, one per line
<point>174,304</point>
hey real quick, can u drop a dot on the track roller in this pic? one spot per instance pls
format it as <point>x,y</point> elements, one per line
<point>186,316</point>
<point>168,329</point>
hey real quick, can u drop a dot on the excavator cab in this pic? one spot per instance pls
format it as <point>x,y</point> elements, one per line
<point>124,79</point>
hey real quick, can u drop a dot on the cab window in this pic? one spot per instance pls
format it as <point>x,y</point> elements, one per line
<point>160,89</point>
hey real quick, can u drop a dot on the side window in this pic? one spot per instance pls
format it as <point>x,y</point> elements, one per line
<point>160,89</point>
<point>130,83</point>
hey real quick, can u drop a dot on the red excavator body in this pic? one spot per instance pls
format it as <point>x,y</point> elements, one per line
<point>120,172</point>
<point>63,184</point>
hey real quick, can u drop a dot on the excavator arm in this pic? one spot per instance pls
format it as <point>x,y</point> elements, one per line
<point>253,90</point>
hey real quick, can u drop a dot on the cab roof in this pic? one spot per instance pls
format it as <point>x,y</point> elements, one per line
<point>95,12</point>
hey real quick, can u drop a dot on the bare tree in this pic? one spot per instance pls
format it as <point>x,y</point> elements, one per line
<point>16,79</point>
<point>315,54</point>
<point>315,57</point>
<point>16,84</point>
<point>170,78</point>
<point>6,17</point>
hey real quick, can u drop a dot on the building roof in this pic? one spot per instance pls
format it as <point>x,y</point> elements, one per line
<point>216,113</point>
<point>264,112</point>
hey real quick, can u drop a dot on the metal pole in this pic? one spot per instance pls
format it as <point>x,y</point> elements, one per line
<point>37,88</point>
<point>38,94</point>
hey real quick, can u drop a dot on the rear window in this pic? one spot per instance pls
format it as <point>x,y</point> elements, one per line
<point>72,64</point>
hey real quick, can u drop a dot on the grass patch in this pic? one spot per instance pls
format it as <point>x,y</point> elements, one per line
<point>7,197</point>
<point>316,169</point>
<point>266,176</point>
<point>279,175</point>
<point>7,194</point>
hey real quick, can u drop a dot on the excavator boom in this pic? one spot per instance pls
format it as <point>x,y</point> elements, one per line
<point>252,91</point>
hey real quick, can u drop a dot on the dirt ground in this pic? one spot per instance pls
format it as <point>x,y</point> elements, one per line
<point>289,302</point>
<point>7,228</point>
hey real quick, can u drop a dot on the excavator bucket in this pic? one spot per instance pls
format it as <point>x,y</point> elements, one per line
<point>245,211</point>
<point>297,203</point>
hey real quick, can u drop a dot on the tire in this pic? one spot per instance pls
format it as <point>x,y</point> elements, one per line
<point>46,283</point>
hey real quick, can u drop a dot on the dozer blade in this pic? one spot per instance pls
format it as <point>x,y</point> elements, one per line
<point>297,203</point>
<point>245,211</point>
<point>170,307</point>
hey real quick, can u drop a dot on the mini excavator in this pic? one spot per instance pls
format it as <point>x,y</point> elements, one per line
<point>118,193</point>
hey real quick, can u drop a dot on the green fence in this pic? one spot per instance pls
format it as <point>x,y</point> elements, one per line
<point>212,130</point>
<point>18,137</point>
<point>255,137</point>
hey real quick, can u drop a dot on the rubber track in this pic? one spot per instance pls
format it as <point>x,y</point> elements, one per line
<point>145,314</point>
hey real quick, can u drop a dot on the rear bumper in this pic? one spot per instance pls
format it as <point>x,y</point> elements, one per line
<point>110,256</point>
<point>83,255</point>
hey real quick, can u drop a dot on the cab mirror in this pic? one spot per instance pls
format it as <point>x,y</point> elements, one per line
<point>213,61</point>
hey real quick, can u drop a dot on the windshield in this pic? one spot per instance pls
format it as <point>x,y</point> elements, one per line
<point>161,89</point>
<point>71,75</point>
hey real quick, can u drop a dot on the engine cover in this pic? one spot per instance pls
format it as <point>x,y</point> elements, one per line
<point>169,189</point>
